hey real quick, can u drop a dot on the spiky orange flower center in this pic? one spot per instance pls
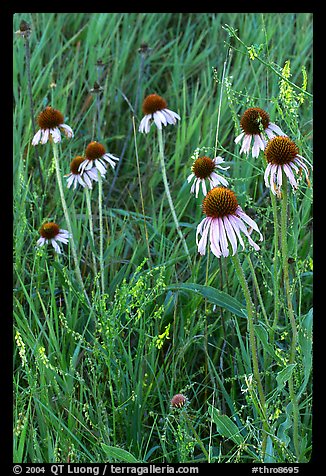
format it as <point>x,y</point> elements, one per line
<point>203,167</point>
<point>75,163</point>
<point>280,150</point>
<point>49,230</point>
<point>50,118</point>
<point>178,401</point>
<point>254,120</point>
<point>220,202</point>
<point>153,103</point>
<point>94,150</point>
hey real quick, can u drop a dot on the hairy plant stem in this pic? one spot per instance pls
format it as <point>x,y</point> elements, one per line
<point>252,343</point>
<point>255,281</point>
<point>67,217</point>
<point>168,194</point>
<point>275,267</point>
<point>91,227</point>
<point>141,195</point>
<point>220,104</point>
<point>100,207</point>
<point>284,247</point>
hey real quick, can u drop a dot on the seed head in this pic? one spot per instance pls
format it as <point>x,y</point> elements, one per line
<point>220,202</point>
<point>75,163</point>
<point>144,49</point>
<point>178,401</point>
<point>96,89</point>
<point>253,119</point>
<point>281,150</point>
<point>24,29</point>
<point>203,167</point>
<point>94,150</point>
<point>50,118</point>
<point>49,230</point>
<point>153,103</point>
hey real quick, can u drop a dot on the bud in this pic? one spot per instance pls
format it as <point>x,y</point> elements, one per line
<point>178,401</point>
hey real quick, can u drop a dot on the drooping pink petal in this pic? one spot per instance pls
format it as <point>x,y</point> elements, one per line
<point>276,129</point>
<point>223,239</point>
<point>203,241</point>
<point>239,137</point>
<point>37,137</point>
<point>214,238</point>
<point>230,234</point>
<point>249,221</point>
<point>56,246</point>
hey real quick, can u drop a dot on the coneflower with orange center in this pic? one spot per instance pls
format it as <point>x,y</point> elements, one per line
<point>255,122</point>
<point>51,233</point>
<point>204,168</point>
<point>51,121</point>
<point>224,222</point>
<point>76,177</point>
<point>282,155</point>
<point>96,156</point>
<point>155,110</point>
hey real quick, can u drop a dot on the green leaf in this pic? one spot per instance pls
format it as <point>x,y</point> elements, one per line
<point>214,296</point>
<point>284,375</point>
<point>225,426</point>
<point>119,454</point>
<point>305,342</point>
<point>269,454</point>
<point>261,332</point>
<point>285,426</point>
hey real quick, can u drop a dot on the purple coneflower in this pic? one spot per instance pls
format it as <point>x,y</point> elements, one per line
<point>51,233</point>
<point>75,177</point>
<point>96,156</point>
<point>224,222</point>
<point>51,122</point>
<point>282,155</point>
<point>204,168</point>
<point>254,122</point>
<point>155,109</point>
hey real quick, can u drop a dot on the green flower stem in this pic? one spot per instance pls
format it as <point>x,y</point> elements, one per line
<point>168,194</point>
<point>284,247</point>
<point>91,227</point>
<point>275,267</point>
<point>67,217</point>
<point>100,206</point>
<point>255,281</point>
<point>141,194</point>
<point>252,343</point>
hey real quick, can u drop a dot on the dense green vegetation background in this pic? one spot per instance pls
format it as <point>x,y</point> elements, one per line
<point>90,383</point>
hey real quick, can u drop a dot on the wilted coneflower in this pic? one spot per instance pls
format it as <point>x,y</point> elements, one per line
<point>51,233</point>
<point>24,29</point>
<point>178,401</point>
<point>51,121</point>
<point>155,109</point>
<point>224,223</point>
<point>282,155</point>
<point>254,122</point>
<point>84,179</point>
<point>204,168</point>
<point>96,156</point>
